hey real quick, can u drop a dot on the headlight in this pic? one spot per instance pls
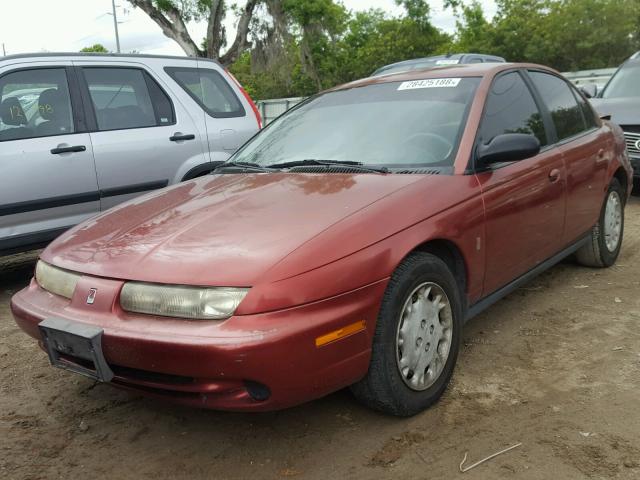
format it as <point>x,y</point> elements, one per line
<point>181,301</point>
<point>56,280</point>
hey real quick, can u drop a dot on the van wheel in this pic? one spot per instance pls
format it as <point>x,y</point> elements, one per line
<point>417,338</point>
<point>605,238</point>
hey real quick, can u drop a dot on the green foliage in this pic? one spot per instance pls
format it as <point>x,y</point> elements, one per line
<point>329,45</point>
<point>96,48</point>
<point>564,34</point>
<point>189,9</point>
<point>332,46</point>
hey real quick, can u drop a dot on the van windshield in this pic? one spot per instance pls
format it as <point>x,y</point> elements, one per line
<point>625,83</point>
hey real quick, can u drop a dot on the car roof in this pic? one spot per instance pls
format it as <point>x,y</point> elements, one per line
<point>453,56</point>
<point>436,58</point>
<point>463,70</point>
<point>634,60</point>
<point>49,55</point>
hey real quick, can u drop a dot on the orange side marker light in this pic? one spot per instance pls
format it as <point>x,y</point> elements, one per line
<point>341,333</point>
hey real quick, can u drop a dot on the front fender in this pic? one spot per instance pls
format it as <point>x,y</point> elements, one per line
<point>461,224</point>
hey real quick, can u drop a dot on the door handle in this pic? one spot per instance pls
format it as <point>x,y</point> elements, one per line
<point>75,148</point>
<point>179,137</point>
<point>554,175</point>
<point>600,158</point>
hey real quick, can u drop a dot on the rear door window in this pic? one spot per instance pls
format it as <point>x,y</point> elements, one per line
<point>560,101</point>
<point>510,108</point>
<point>125,98</point>
<point>209,89</point>
<point>35,103</point>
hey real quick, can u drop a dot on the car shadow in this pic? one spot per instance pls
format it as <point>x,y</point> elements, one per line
<point>16,270</point>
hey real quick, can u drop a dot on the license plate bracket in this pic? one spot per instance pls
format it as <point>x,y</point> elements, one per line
<point>76,347</point>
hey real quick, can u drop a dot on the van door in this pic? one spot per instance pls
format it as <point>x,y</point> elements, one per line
<point>47,173</point>
<point>142,139</point>
<point>229,117</point>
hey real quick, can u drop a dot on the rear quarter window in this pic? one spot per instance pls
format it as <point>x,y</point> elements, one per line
<point>209,89</point>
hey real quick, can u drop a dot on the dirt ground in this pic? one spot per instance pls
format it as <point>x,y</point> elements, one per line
<point>555,365</point>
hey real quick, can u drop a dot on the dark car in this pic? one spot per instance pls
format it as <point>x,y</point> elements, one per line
<point>620,99</point>
<point>344,245</point>
<point>437,61</point>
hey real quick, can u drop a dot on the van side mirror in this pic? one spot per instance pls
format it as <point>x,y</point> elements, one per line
<point>590,90</point>
<point>508,147</point>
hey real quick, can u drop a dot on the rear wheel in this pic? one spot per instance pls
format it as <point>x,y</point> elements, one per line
<point>605,238</point>
<point>417,337</point>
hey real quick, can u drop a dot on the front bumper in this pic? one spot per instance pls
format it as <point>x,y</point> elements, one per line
<point>635,164</point>
<point>256,362</point>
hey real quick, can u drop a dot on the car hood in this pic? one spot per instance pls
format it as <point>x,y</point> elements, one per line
<point>224,230</point>
<point>623,111</point>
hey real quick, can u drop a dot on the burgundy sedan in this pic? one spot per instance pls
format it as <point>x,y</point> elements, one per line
<point>344,245</point>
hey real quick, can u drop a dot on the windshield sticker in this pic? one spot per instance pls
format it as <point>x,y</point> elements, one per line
<point>430,83</point>
<point>448,61</point>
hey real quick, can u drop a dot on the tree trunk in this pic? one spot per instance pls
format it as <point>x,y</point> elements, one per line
<point>170,20</point>
<point>172,25</point>
<point>307,58</point>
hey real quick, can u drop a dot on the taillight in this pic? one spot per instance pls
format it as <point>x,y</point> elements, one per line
<point>256,112</point>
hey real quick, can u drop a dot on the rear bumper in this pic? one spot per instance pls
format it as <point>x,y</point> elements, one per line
<point>257,362</point>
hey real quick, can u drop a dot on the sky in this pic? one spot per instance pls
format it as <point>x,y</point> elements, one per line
<point>69,25</point>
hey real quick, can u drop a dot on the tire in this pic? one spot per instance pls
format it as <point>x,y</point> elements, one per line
<point>596,252</point>
<point>390,385</point>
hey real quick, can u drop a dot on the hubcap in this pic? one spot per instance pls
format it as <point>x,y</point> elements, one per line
<point>612,221</point>
<point>423,339</point>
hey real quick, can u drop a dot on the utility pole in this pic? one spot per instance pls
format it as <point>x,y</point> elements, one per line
<point>4,51</point>
<point>115,25</point>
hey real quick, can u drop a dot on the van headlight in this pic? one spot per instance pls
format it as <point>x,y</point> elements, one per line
<point>56,280</point>
<point>200,303</point>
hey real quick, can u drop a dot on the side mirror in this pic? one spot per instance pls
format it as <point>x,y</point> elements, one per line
<point>590,90</point>
<point>508,147</point>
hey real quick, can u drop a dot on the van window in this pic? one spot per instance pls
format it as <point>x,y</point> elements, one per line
<point>209,89</point>
<point>125,98</point>
<point>35,103</point>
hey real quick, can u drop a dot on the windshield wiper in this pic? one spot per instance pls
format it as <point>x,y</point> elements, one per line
<point>243,166</point>
<point>329,163</point>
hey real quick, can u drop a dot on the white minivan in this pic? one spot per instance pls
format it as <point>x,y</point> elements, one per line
<point>80,133</point>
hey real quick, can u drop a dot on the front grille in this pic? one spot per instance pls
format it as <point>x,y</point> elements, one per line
<point>633,143</point>
<point>148,376</point>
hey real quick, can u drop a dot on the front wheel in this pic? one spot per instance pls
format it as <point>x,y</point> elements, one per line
<point>605,238</point>
<point>417,337</point>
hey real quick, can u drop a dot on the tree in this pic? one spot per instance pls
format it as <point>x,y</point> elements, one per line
<point>564,34</point>
<point>320,23</point>
<point>373,39</point>
<point>97,48</point>
<point>324,45</point>
<point>172,17</point>
<point>474,33</point>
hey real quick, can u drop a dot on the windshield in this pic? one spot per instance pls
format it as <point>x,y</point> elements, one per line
<point>625,83</point>
<point>395,124</point>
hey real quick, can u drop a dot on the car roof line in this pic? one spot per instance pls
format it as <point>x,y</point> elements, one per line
<point>103,55</point>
